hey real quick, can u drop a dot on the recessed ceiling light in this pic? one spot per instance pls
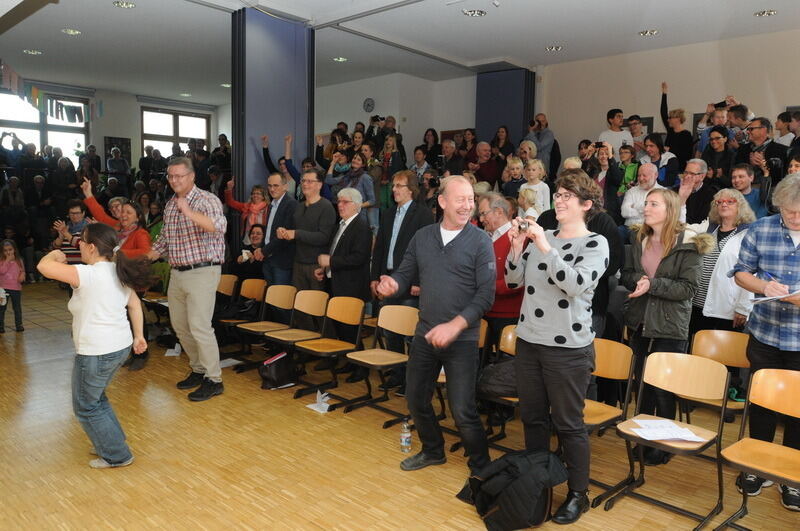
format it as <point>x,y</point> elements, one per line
<point>226,85</point>
<point>553,48</point>
<point>32,52</point>
<point>186,94</point>
<point>765,13</point>
<point>474,12</point>
<point>123,5</point>
<point>70,31</point>
<point>649,32</point>
<point>340,59</point>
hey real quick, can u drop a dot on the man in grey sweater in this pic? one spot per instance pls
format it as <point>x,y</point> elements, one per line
<point>454,263</point>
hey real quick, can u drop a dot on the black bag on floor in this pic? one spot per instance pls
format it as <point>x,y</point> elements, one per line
<point>277,372</point>
<point>498,380</point>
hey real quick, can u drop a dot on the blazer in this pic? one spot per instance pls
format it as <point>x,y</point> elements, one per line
<point>417,216</point>
<point>350,262</point>
<point>281,252</point>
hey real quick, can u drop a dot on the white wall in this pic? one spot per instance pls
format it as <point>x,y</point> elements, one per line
<point>756,69</point>
<point>224,122</point>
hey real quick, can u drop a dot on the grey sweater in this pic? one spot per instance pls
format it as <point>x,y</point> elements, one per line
<point>314,226</point>
<point>454,279</point>
<point>559,286</point>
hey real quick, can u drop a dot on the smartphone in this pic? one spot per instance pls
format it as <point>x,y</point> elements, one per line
<point>598,145</point>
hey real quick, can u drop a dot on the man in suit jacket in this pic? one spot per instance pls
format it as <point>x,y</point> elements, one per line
<point>761,149</point>
<point>398,225</point>
<point>278,254</point>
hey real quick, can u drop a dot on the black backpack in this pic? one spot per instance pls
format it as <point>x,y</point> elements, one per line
<point>278,372</point>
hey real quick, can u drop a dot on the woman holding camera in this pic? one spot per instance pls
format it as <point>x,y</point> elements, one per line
<point>555,352</point>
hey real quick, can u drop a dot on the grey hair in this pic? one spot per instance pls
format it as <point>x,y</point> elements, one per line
<point>482,142</point>
<point>497,201</point>
<point>700,162</point>
<point>649,166</point>
<point>115,149</point>
<point>181,161</point>
<point>353,195</point>
<point>449,142</point>
<point>787,193</point>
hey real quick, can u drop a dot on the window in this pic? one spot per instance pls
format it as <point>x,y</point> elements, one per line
<point>161,128</point>
<point>38,128</point>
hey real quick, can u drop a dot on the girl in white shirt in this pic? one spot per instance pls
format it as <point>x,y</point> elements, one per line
<point>102,290</point>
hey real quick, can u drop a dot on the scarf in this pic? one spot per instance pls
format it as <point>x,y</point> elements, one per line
<point>353,177</point>
<point>123,234</point>
<point>254,212</point>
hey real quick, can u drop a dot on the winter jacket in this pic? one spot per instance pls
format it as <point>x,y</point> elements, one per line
<point>664,311</point>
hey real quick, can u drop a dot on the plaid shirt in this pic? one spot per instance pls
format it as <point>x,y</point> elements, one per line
<point>184,242</point>
<point>768,251</point>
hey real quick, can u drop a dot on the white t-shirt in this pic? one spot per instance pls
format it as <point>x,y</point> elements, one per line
<point>448,235</point>
<point>616,139</point>
<point>542,195</point>
<point>795,235</point>
<point>99,311</point>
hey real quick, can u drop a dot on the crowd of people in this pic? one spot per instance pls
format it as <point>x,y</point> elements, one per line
<point>692,224</point>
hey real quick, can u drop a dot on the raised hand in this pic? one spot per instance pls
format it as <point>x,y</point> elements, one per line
<point>86,187</point>
<point>265,141</point>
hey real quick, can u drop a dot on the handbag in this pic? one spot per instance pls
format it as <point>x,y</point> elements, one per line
<point>277,372</point>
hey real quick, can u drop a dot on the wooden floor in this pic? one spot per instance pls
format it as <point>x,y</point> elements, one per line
<point>255,459</point>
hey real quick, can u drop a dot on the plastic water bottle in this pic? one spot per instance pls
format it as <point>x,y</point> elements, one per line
<point>405,438</point>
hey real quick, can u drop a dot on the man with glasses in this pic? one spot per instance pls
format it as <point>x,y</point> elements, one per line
<point>761,149</point>
<point>638,134</point>
<point>278,254</point>
<point>193,239</point>
<point>697,191</point>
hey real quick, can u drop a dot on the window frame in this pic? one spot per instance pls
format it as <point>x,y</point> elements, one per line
<point>43,127</point>
<point>175,137</point>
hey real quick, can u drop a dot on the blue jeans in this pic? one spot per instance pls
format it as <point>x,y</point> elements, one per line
<point>90,377</point>
<point>460,361</point>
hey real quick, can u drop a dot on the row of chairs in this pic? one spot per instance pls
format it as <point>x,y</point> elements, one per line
<point>701,379</point>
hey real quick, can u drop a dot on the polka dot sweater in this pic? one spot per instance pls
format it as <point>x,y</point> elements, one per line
<point>559,286</point>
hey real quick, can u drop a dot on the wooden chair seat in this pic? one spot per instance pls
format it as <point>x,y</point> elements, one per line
<point>292,335</point>
<point>325,345</point>
<point>762,457</point>
<point>232,321</point>
<point>732,405</point>
<point>371,322</point>
<point>377,358</point>
<point>441,379</point>
<point>597,413</point>
<point>263,326</point>
<point>625,430</point>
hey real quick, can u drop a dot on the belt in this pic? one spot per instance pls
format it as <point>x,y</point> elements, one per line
<point>198,265</point>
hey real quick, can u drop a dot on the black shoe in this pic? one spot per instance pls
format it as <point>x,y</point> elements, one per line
<point>128,361</point>
<point>574,506</point>
<point>138,362</point>
<point>657,457</point>
<point>790,498</point>
<point>20,328</point>
<point>420,460</point>
<point>752,484</point>
<point>193,380</point>
<point>401,391</point>
<point>207,389</point>
<point>465,494</point>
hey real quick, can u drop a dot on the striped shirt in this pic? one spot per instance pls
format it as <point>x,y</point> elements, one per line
<point>768,251</point>
<point>185,243</point>
<point>709,263</point>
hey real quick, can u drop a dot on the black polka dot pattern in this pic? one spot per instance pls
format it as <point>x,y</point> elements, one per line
<point>576,327</point>
<point>542,267</point>
<point>560,276</point>
<point>560,340</point>
<point>511,266</point>
<point>521,317</point>
<point>568,257</point>
<point>563,304</point>
<point>538,313</point>
<point>550,281</point>
<point>531,290</point>
<point>578,260</point>
<point>525,255</point>
<point>579,280</point>
<point>512,286</point>
<point>591,244</point>
<point>567,246</point>
<point>606,262</point>
<point>594,275</point>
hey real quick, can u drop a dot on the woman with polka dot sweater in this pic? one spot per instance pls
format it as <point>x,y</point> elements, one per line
<point>555,353</point>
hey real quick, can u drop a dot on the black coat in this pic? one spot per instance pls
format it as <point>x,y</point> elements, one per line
<point>417,216</point>
<point>350,261</point>
<point>281,252</point>
<point>772,151</point>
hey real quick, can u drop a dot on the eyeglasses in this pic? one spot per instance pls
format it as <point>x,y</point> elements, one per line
<point>696,174</point>
<point>398,185</point>
<point>752,127</point>
<point>566,196</point>
<point>175,176</point>
<point>484,213</point>
<point>274,185</point>
<point>715,138</point>
<point>308,181</point>
<point>728,202</point>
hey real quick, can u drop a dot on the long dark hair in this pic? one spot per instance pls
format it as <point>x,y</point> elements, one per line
<point>139,212</point>
<point>134,273</point>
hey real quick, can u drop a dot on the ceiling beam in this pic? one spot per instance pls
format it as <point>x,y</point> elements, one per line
<point>367,13</point>
<point>20,12</point>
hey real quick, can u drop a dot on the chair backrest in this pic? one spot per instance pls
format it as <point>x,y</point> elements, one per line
<point>399,319</point>
<point>311,301</point>
<point>728,348</point>
<point>347,310</point>
<point>281,296</point>
<point>689,376</point>
<point>253,288</point>
<point>776,389</point>
<point>227,284</point>
<point>483,334</point>
<point>508,340</point>
<point>612,360</point>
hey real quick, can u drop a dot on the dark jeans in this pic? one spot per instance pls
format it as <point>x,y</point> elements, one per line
<point>14,297</point>
<point>763,421</point>
<point>701,322</point>
<point>460,361</point>
<point>552,383</point>
<point>655,401</point>
<point>276,276</point>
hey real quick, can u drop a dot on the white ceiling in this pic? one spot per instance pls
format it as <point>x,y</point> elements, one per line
<point>165,47</point>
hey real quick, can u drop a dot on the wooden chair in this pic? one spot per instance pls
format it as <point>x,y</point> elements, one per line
<point>309,302</point>
<point>227,285</point>
<point>691,376</point>
<point>344,310</point>
<point>278,296</point>
<point>728,348</point>
<point>251,289</point>
<point>508,346</point>
<point>401,320</point>
<point>777,390</point>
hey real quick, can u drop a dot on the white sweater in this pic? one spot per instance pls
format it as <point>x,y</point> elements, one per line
<point>724,296</point>
<point>633,205</point>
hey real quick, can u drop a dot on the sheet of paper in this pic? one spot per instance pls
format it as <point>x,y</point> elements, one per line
<point>758,300</point>
<point>321,405</point>
<point>173,351</point>
<point>656,423</point>
<point>229,362</point>
<point>667,434</point>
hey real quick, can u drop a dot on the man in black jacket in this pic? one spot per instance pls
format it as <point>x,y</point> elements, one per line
<point>761,149</point>
<point>453,164</point>
<point>278,254</point>
<point>398,225</point>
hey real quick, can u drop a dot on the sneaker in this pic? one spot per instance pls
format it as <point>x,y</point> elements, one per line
<point>193,380</point>
<point>207,389</point>
<point>752,484</point>
<point>420,460</point>
<point>790,498</point>
<point>102,463</point>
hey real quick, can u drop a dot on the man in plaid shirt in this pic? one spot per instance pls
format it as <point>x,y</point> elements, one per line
<point>193,239</point>
<point>769,264</point>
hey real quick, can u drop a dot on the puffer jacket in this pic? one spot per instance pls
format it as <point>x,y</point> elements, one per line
<point>664,311</point>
